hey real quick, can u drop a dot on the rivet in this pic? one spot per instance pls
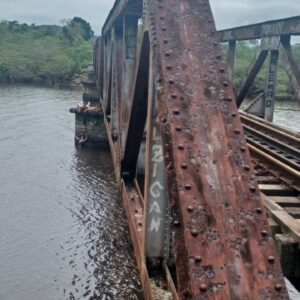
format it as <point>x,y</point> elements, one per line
<point>264,233</point>
<point>203,287</point>
<point>198,259</point>
<point>188,187</point>
<point>167,54</point>
<point>225,83</point>
<point>163,28</point>
<point>233,114</point>
<point>258,210</point>
<point>174,96</point>
<point>190,208</point>
<point>176,111</point>
<point>252,188</point>
<point>247,168</point>
<point>194,232</point>
<point>171,81</point>
<point>222,70</point>
<point>278,287</point>
<point>176,223</point>
<point>215,43</point>
<point>271,259</point>
<point>218,56</point>
<point>178,128</point>
<point>181,147</point>
<point>169,67</point>
<point>243,149</point>
<point>229,99</point>
<point>184,166</point>
<point>237,131</point>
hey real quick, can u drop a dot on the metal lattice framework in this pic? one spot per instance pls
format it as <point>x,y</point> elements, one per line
<point>275,39</point>
<point>180,154</point>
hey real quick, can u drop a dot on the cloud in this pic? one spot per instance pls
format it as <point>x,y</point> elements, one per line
<point>227,13</point>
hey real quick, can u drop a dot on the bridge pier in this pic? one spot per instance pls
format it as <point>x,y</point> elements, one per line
<point>89,119</point>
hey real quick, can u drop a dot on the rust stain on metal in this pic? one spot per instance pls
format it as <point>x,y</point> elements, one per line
<point>224,228</point>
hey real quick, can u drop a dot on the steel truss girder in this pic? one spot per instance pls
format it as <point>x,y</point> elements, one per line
<point>221,241</point>
<point>222,244</point>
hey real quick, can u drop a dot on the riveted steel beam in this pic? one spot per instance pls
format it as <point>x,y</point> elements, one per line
<point>288,26</point>
<point>222,243</point>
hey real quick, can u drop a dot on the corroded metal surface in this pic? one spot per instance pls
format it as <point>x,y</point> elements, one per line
<point>222,244</point>
<point>288,26</point>
<point>218,227</point>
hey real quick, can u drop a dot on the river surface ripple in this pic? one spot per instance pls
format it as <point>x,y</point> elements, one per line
<point>63,230</point>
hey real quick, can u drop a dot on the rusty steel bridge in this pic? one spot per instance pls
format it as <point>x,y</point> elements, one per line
<point>205,187</point>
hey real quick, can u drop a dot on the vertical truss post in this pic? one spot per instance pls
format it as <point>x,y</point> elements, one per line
<point>117,42</point>
<point>130,27</point>
<point>156,212</point>
<point>231,58</point>
<point>108,73</point>
<point>271,85</point>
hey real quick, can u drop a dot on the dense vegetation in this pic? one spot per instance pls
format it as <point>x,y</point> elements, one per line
<point>44,54</point>
<point>245,53</point>
<point>54,54</point>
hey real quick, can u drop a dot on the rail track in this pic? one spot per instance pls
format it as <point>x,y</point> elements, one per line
<point>275,147</point>
<point>276,157</point>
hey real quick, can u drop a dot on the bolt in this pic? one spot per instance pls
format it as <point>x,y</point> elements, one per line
<point>181,147</point>
<point>237,131</point>
<point>243,149</point>
<point>188,187</point>
<point>174,96</point>
<point>169,67</point>
<point>259,210</point>
<point>252,189</point>
<point>184,166</point>
<point>178,128</point>
<point>198,259</point>
<point>194,232</point>
<point>264,233</point>
<point>228,99</point>
<point>176,223</point>
<point>222,70</point>
<point>247,168</point>
<point>171,81</point>
<point>278,287</point>
<point>190,208</point>
<point>225,83</point>
<point>271,259</point>
<point>176,111</point>
<point>203,287</point>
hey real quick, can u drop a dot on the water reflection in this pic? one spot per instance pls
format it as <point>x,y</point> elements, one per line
<point>63,229</point>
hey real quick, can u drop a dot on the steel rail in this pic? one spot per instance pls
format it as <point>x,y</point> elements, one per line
<point>288,155</point>
<point>291,176</point>
<point>282,134</point>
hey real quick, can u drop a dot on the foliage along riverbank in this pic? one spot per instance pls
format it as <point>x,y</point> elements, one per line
<point>46,54</point>
<point>50,54</point>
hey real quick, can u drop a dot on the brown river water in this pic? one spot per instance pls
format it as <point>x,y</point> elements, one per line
<point>63,230</point>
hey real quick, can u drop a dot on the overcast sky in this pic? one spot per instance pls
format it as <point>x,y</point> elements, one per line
<point>228,13</point>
